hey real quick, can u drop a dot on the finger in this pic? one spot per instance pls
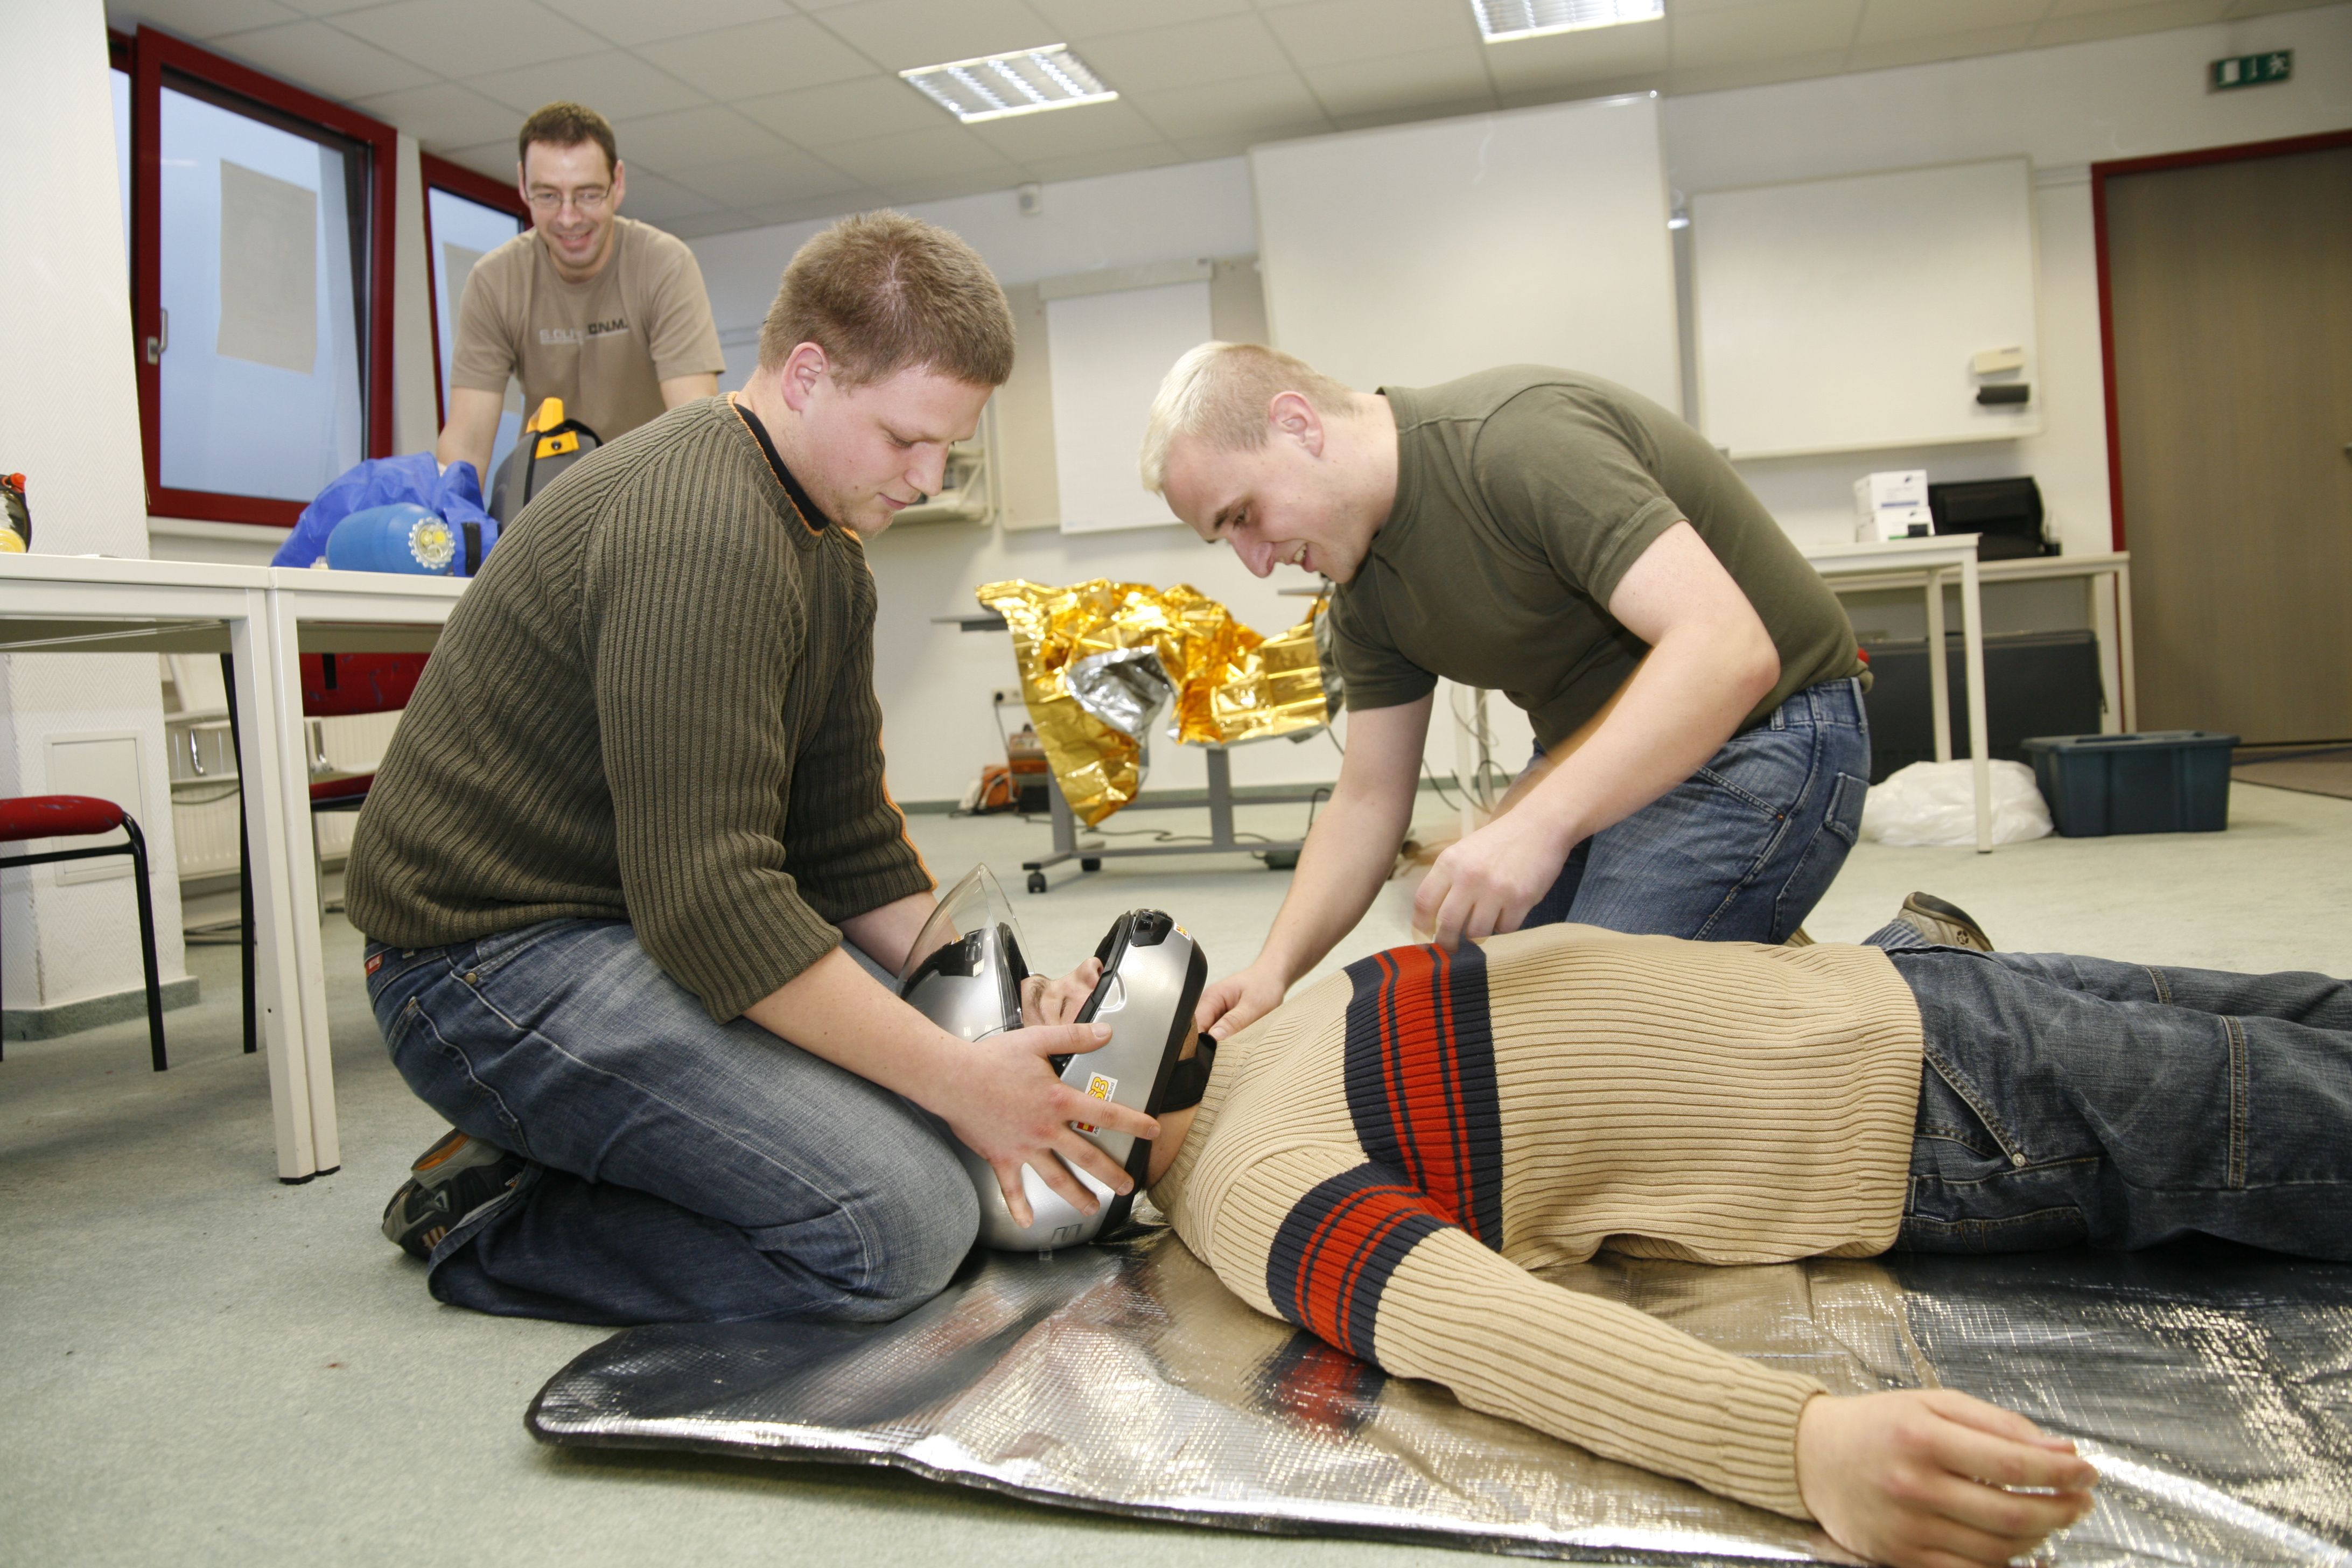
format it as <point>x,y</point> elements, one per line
<point>1057,1175</point>
<point>1986,1517</point>
<point>1451,919</point>
<point>1080,1153</point>
<point>1008,1182</point>
<point>1107,1113</point>
<point>2005,1461</point>
<point>1430,897</point>
<point>1067,1039</point>
<point>1971,1411</point>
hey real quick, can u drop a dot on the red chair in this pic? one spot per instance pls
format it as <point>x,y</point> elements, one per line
<point>76,816</point>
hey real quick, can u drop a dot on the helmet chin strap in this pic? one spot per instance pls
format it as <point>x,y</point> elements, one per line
<point>1189,1080</point>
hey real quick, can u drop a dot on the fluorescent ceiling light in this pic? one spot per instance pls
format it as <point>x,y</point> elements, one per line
<point>1501,20</point>
<point>995,87</point>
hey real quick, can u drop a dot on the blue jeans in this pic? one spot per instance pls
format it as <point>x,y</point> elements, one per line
<point>1742,849</point>
<point>2076,1101</point>
<point>676,1169</point>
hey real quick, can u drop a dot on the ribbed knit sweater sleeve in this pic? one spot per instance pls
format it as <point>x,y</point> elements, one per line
<point>1385,1159</point>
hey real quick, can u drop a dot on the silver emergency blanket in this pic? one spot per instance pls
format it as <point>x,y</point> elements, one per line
<point>2212,1387</point>
<point>1126,688</point>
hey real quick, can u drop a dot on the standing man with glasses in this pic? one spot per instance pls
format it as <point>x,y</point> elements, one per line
<point>601,311</point>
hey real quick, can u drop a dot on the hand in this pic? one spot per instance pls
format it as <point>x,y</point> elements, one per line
<point>1046,1000</point>
<point>1916,1478</point>
<point>1006,1106</point>
<point>1234,1003</point>
<point>1487,882</point>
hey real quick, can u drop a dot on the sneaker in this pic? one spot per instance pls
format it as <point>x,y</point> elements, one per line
<point>1946,925</point>
<point>449,1180</point>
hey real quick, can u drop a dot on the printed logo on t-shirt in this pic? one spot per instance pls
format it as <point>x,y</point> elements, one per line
<point>552,336</point>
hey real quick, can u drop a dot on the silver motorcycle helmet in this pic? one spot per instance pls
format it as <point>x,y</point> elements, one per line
<point>964,974</point>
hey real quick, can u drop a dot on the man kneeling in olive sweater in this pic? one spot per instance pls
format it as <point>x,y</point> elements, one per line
<point>1384,1158</point>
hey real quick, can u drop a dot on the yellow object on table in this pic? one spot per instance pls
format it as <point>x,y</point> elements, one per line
<point>1100,651</point>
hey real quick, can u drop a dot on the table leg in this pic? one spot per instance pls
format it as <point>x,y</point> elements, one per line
<point>2124,648</point>
<point>1939,678</point>
<point>306,986</point>
<point>1972,666</point>
<point>261,722</point>
<point>1220,798</point>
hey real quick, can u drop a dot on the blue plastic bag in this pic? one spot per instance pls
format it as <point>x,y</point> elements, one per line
<point>456,495</point>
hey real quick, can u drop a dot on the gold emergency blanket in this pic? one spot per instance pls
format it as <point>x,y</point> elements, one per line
<point>1078,650</point>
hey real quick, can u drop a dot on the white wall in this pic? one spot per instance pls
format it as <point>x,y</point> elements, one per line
<point>2065,107</point>
<point>69,422</point>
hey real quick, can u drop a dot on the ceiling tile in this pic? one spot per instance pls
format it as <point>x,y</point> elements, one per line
<point>332,64</point>
<point>1074,19</point>
<point>685,137</point>
<point>636,22</point>
<point>1755,73</point>
<point>1940,47</point>
<point>1068,132</point>
<point>903,193</point>
<point>1572,59</point>
<point>2081,25</point>
<point>1372,119</point>
<point>1749,32</point>
<point>326,7</point>
<point>760,59</point>
<point>1599,87</point>
<point>1324,32</point>
<point>1084,166</point>
<point>889,162</point>
<point>467,37</point>
<point>652,199</point>
<point>442,114</point>
<point>1245,106</point>
<point>845,112</point>
<point>2272,7</point>
<point>1403,81</point>
<point>764,179</point>
<point>701,226</point>
<point>2213,9</point>
<point>1186,55</point>
<point>616,85</point>
<point>496,160</point>
<point>903,34</point>
<point>1885,21</point>
<point>200,19</point>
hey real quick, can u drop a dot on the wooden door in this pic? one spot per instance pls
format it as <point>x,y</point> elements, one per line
<point>2231,336</point>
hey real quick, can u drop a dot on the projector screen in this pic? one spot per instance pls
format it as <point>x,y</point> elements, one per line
<point>1418,253</point>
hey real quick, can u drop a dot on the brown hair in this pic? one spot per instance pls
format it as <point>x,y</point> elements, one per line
<point>881,292</point>
<point>561,124</point>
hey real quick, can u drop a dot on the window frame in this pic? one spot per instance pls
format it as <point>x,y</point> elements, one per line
<point>440,174</point>
<point>149,56</point>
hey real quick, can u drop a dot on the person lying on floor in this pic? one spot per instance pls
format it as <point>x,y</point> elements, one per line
<point>1383,1159</point>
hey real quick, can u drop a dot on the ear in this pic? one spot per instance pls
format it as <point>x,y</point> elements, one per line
<point>620,184</point>
<point>801,372</point>
<point>1292,416</point>
<point>522,184</point>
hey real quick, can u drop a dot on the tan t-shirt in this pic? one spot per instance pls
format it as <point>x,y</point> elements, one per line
<point>1523,495</point>
<point>603,346</point>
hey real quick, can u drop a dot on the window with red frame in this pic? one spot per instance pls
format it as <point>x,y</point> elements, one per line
<point>261,229</point>
<point>467,217</point>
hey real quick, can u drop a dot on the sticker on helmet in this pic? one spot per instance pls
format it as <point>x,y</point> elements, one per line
<point>1099,1086</point>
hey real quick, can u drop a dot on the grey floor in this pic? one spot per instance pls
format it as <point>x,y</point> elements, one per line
<point>200,1365</point>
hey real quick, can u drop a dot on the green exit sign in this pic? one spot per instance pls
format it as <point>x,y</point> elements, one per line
<point>2253,70</point>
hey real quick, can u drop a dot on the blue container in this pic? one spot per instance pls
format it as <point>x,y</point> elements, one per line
<point>2165,781</point>
<point>399,536</point>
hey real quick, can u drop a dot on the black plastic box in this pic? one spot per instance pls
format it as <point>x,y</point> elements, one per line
<point>2036,683</point>
<point>2165,781</point>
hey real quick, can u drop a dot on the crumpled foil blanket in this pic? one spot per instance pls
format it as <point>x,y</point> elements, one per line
<point>2213,1386</point>
<point>1100,661</point>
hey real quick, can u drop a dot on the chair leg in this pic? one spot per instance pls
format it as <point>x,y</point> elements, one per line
<point>244,861</point>
<point>147,942</point>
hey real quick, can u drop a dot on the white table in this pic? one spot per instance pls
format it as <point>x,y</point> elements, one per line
<point>266,618</point>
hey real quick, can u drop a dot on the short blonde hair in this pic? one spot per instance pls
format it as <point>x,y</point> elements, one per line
<point>883,292</point>
<point>1219,392</point>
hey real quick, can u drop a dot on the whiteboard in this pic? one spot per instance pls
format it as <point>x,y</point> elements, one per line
<point>1840,315</point>
<point>1419,253</point>
<point>1107,353</point>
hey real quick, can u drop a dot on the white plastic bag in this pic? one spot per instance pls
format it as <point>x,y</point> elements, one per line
<point>1935,803</point>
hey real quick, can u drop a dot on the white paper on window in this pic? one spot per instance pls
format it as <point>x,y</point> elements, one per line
<point>1109,352</point>
<point>269,271</point>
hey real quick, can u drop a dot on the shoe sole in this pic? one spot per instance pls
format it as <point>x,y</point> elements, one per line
<point>1955,924</point>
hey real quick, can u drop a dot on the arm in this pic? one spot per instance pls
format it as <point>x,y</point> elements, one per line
<point>1710,660</point>
<point>1347,855</point>
<point>680,389</point>
<point>471,432</point>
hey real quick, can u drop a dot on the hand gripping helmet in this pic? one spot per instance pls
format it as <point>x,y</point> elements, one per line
<point>964,974</point>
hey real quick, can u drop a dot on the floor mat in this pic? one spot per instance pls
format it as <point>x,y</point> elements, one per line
<point>2211,1385</point>
<point>2328,772</point>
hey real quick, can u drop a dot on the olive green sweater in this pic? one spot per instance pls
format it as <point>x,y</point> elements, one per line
<point>654,704</point>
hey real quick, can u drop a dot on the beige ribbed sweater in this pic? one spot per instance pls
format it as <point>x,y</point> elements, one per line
<point>1383,1159</point>
<point>654,704</point>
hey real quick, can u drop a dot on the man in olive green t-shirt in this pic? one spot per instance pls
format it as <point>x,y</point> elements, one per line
<point>601,311</point>
<point>1693,685</point>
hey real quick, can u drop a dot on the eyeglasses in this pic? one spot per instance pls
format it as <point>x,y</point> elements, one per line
<point>589,200</point>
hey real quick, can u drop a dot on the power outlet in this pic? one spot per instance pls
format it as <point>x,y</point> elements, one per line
<point>1006,697</point>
